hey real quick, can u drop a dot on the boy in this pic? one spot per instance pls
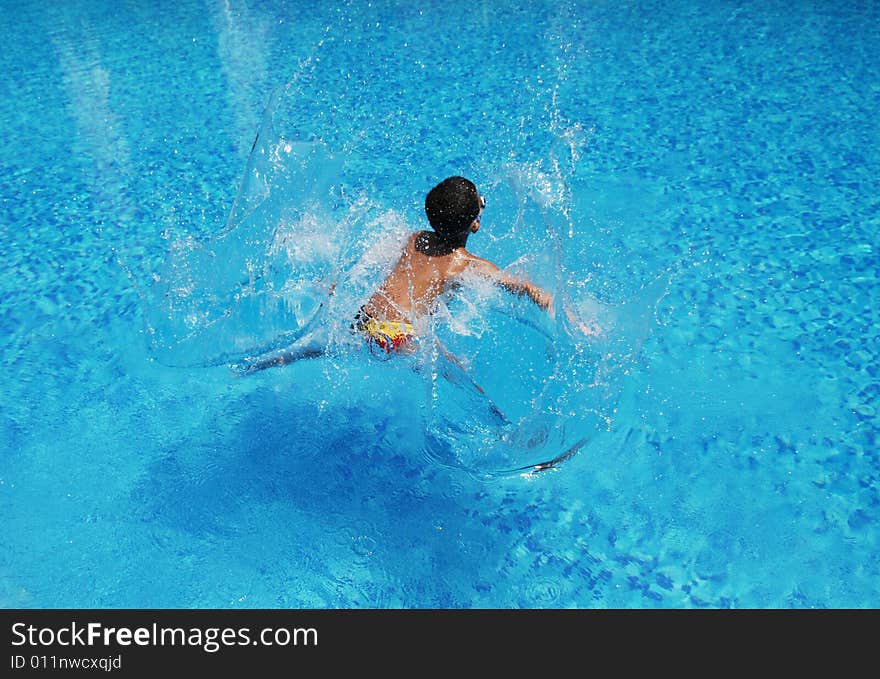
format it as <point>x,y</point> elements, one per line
<point>430,263</point>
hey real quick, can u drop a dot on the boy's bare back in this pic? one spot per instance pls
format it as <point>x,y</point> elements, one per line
<point>426,268</point>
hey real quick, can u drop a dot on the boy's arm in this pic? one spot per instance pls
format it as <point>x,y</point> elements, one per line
<point>524,287</point>
<point>518,286</point>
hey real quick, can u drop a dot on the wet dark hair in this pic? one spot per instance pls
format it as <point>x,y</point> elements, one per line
<point>452,206</point>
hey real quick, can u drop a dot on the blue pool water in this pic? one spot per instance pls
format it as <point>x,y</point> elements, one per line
<point>698,178</point>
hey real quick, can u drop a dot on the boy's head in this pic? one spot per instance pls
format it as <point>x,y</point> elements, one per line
<point>453,208</point>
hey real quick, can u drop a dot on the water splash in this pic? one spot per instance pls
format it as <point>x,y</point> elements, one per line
<point>233,295</point>
<point>323,207</point>
<point>556,381</point>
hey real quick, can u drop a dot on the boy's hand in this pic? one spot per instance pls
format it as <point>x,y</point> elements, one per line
<point>590,330</point>
<point>543,299</point>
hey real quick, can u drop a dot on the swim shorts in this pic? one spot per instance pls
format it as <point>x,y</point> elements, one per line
<point>387,335</point>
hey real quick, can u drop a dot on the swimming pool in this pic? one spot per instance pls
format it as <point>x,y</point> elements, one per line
<point>703,173</point>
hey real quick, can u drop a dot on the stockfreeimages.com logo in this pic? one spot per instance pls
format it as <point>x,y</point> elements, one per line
<point>210,639</point>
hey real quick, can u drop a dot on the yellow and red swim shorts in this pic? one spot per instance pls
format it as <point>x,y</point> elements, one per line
<point>387,335</point>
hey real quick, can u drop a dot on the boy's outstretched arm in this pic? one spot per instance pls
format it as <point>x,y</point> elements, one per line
<point>524,287</point>
<point>518,286</point>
